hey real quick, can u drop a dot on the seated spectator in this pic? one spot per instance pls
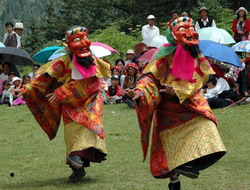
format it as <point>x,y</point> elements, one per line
<point>241,25</point>
<point>9,28</point>
<point>117,71</point>
<point>214,91</point>
<point>130,82</point>
<point>35,68</point>
<point>210,85</point>
<point>7,96</point>
<point>114,94</point>
<point>20,100</point>
<point>205,20</point>
<point>150,29</point>
<point>130,57</point>
<point>141,66</point>
<point>16,87</point>
<point>6,69</point>
<point>243,80</point>
<point>120,63</point>
<point>11,75</point>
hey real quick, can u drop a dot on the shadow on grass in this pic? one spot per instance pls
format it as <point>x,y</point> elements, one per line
<point>57,182</point>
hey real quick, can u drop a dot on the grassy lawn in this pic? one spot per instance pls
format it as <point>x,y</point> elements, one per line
<point>38,163</point>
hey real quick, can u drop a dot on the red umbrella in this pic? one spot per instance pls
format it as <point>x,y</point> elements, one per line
<point>149,55</point>
<point>140,48</point>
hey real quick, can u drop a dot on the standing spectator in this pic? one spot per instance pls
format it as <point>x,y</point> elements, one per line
<point>150,29</point>
<point>184,14</point>
<point>7,97</point>
<point>14,40</point>
<point>114,94</point>
<point>19,32</point>
<point>241,25</point>
<point>35,68</point>
<point>205,20</point>
<point>6,69</point>
<point>174,15</point>
<point>130,57</point>
<point>9,29</point>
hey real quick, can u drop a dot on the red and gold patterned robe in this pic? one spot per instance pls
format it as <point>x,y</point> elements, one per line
<point>78,101</point>
<point>184,127</point>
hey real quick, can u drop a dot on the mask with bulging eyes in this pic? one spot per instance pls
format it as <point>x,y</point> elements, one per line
<point>185,34</point>
<point>79,44</point>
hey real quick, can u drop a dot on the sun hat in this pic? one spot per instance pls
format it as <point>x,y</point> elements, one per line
<point>16,79</point>
<point>242,9</point>
<point>203,9</point>
<point>151,17</point>
<point>19,25</point>
<point>130,51</point>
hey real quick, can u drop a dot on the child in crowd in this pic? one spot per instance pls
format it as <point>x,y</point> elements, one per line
<point>116,70</point>
<point>20,100</point>
<point>114,94</point>
<point>16,87</point>
<point>7,96</point>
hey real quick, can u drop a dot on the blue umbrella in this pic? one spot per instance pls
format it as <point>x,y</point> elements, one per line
<point>1,45</point>
<point>243,46</point>
<point>43,55</point>
<point>219,52</point>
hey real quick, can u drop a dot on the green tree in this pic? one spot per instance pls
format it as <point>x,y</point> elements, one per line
<point>34,36</point>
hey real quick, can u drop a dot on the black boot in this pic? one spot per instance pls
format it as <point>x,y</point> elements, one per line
<point>187,171</point>
<point>75,162</point>
<point>76,175</point>
<point>175,183</point>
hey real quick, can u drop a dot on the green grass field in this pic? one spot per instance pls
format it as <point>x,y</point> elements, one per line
<point>38,163</point>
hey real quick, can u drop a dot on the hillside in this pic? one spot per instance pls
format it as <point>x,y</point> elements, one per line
<point>21,11</point>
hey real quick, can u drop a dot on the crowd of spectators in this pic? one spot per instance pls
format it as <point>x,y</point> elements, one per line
<point>228,86</point>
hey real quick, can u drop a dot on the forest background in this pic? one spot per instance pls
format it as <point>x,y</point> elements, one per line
<point>115,22</point>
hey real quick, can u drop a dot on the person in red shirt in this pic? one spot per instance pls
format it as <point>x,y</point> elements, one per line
<point>114,94</point>
<point>241,25</point>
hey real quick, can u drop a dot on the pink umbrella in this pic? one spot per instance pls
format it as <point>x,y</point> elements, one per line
<point>149,55</point>
<point>101,49</point>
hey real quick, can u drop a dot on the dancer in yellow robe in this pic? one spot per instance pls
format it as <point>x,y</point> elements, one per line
<point>69,86</point>
<point>185,135</point>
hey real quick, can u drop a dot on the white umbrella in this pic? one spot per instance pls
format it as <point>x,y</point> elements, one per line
<point>98,49</point>
<point>155,41</point>
<point>216,34</point>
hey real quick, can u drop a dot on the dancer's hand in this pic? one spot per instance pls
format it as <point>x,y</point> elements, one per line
<point>133,94</point>
<point>168,89</point>
<point>52,98</point>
